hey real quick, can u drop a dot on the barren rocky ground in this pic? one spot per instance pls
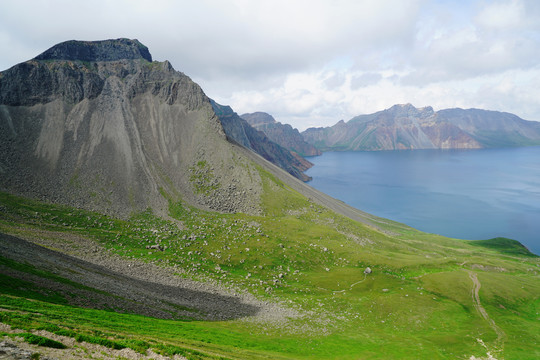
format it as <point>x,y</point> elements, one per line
<point>127,285</point>
<point>16,349</point>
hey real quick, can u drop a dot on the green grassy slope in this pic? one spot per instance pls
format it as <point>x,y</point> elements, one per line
<point>418,303</point>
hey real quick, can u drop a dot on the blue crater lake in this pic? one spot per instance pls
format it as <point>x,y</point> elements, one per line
<point>464,194</point>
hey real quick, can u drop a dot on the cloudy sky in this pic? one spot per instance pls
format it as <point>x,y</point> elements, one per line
<point>313,62</point>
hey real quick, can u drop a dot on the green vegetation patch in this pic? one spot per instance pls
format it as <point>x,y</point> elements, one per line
<point>41,341</point>
<point>99,341</point>
<point>203,179</point>
<point>504,246</point>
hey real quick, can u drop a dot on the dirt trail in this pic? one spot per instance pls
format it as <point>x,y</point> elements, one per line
<point>350,288</point>
<point>501,335</point>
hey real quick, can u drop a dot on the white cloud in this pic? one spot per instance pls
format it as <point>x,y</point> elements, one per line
<point>502,15</point>
<point>313,62</point>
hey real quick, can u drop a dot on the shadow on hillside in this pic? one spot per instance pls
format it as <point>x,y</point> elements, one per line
<point>88,285</point>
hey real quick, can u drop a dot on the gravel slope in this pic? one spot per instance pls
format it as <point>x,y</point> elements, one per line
<point>129,285</point>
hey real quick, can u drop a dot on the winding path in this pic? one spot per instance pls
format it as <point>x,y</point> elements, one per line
<point>501,335</point>
<point>350,288</point>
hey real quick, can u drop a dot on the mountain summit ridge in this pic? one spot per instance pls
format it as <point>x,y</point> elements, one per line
<point>104,50</point>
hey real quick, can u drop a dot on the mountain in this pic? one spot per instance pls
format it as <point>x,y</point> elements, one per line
<point>493,128</point>
<point>282,134</point>
<point>241,132</point>
<point>408,127</point>
<point>101,126</point>
<point>132,225</point>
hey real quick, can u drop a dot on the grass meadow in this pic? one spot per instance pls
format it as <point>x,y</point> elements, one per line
<point>418,302</point>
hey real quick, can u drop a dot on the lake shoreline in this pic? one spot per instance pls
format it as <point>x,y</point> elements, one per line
<point>460,193</point>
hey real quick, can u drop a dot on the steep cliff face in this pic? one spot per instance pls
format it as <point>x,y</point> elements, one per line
<point>282,134</point>
<point>407,127</point>
<point>98,125</point>
<point>239,131</point>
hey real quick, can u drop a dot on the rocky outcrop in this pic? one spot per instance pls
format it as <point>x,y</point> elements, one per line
<point>407,127</point>
<point>98,125</point>
<point>282,134</point>
<point>239,131</point>
<point>10,350</point>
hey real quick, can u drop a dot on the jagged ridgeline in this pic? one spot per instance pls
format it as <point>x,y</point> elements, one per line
<point>241,132</point>
<point>283,134</point>
<point>407,127</point>
<point>99,125</point>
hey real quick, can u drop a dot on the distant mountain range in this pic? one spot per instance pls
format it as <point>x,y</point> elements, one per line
<point>408,127</point>
<point>277,152</point>
<point>282,134</point>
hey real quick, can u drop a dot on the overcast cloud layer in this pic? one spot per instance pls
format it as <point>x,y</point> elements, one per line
<point>313,62</point>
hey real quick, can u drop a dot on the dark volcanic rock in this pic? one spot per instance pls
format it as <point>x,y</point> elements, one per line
<point>36,82</point>
<point>106,50</point>
<point>239,131</point>
<point>282,134</point>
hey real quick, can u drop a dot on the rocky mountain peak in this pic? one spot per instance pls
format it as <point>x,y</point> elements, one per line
<point>259,117</point>
<point>105,50</point>
<point>407,110</point>
<point>95,125</point>
<point>282,134</point>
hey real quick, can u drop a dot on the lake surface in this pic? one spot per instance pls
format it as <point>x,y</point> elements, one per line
<point>465,194</point>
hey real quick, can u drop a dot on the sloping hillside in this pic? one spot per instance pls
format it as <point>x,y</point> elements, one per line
<point>235,286</point>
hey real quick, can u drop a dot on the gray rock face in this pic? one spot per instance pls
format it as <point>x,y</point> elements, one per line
<point>282,134</point>
<point>407,127</point>
<point>35,82</point>
<point>8,350</point>
<point>117,136</point>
